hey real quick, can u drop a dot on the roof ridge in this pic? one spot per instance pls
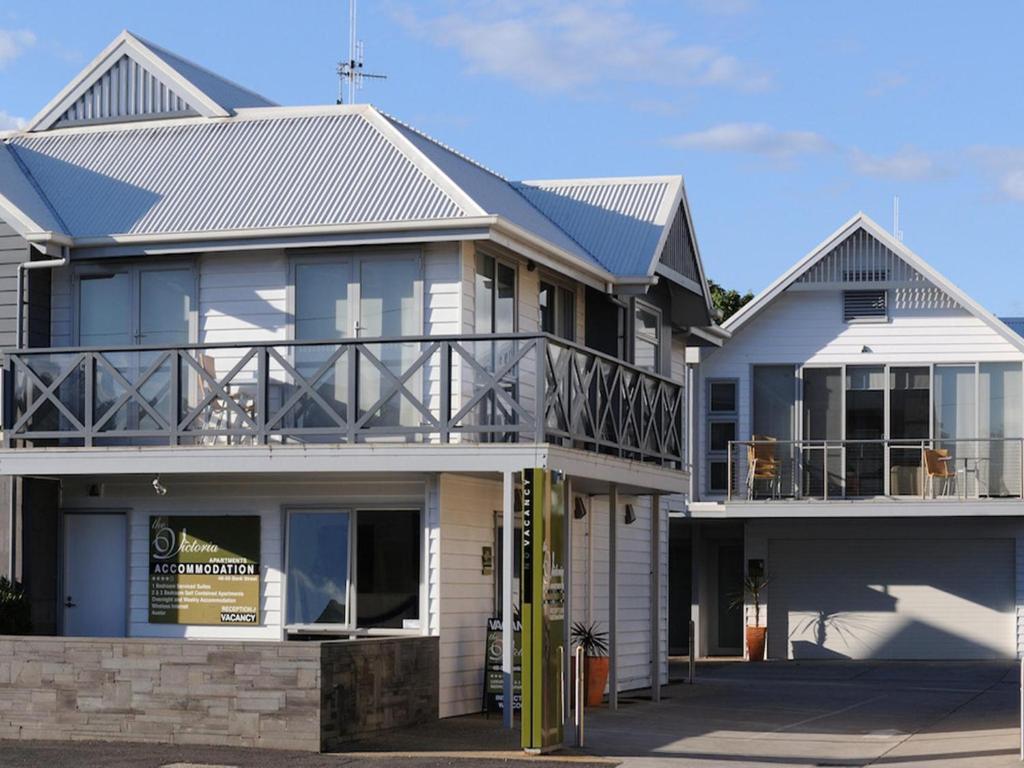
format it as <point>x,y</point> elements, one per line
<point>35,184</point>
<point>515,186</point>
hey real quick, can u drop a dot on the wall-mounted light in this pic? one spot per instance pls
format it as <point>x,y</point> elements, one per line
<point>530,266</point>
<point>159,487</point>
<point>96,490</point>
<point>579,509</point>
<point>864,350</point>
<point>630,515</point>
<point>487,561</point>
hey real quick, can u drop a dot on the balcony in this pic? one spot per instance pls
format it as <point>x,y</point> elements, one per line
<point>965,469</point>
<point>515,388</point>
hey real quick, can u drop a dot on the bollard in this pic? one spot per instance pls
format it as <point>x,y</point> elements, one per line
<point>693,662</point>
<point>579,695</point>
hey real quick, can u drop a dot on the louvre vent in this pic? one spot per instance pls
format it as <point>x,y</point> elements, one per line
<point>864,305</point>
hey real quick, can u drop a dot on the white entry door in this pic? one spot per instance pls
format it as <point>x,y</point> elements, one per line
<point>95,575</point>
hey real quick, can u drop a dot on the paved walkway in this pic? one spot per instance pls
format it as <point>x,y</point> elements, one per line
<point>918,714</point>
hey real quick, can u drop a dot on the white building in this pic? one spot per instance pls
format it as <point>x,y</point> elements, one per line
<point>321,318</point>
<point>882,409</point>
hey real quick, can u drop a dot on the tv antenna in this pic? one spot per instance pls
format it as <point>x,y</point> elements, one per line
<point>350,73</point>
<point>896,231</point>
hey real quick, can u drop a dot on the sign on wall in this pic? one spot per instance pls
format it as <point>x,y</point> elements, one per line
<point>543,608</point>
<point>204,569</point>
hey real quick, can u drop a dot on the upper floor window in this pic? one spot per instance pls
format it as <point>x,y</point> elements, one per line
<point>557,310</point>
<point>495,295</point>
<point>647,338</point>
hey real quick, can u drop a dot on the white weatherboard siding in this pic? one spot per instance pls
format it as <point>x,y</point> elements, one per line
<point>229,496</point>
<point>893,590</point>
<point>807,328</point>
<point>466,593</point>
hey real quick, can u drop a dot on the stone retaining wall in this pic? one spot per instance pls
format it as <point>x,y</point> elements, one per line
<point>269,694</point>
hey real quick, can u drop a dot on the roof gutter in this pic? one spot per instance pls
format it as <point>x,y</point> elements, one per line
<point>24,267</point>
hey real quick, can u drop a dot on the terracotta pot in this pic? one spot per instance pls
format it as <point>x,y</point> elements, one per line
<point>755,643</point>
<point>596,679</point>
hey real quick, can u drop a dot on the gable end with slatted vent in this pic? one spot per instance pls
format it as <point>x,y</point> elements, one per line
<point>865,306</point>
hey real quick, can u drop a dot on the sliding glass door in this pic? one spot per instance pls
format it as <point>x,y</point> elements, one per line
<point>865,430</point>
<point>822,459</point>
<point>909,427</point>
<point>774,418</point>
<point>999,422</point>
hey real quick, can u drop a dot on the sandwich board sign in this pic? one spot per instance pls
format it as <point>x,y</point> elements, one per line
<point>542,610</point>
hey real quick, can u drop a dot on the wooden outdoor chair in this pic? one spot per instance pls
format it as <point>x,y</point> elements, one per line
<point>220,414</point>
<point>938,465</point>
<point>763,465</point>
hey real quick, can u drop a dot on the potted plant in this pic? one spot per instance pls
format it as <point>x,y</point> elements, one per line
<point>756,634</point>
<point>595,665</point>
<point>15,612</point>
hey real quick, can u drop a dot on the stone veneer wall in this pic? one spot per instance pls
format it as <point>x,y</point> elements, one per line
<point>254,694</point>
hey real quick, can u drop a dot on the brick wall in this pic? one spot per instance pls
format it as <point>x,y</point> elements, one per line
<point>199,692</point>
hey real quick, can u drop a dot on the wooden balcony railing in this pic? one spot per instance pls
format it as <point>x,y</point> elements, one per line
<point>493,389</point>
<point>932,468</point>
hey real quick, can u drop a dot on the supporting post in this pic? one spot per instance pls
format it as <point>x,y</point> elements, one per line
<point>508,524</point>
<point>656,597</point>
<point>695,587</point>
<point>613,518</point>
<point>567,608</point>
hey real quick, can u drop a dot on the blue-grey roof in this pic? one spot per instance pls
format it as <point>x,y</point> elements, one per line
<point>145,142</point>
<point>236,174</point>
<point>229,95</point>
<point>1016,323</point>
<point>620,221</point>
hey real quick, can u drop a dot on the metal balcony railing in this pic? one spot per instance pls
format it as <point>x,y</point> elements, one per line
<point>493,389</point>
<point>940,468</point>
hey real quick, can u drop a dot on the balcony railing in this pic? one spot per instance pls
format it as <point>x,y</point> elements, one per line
<point>479,389</point>
<point>941,468</point>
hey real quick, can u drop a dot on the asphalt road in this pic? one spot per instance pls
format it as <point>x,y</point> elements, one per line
<point>53,754</point>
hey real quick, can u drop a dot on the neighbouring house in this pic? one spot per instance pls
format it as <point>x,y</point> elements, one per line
<point>328,344</point>
<point>859,441</point>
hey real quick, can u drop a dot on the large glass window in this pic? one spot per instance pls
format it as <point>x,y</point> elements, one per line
<point>909,422</point>
<point>388,568</point>
<point>823,424</point>
<point>317,567</point>
<point>999,422</point>
<point>495,295</point>
<point>774,417</point>
<point>865,430</point>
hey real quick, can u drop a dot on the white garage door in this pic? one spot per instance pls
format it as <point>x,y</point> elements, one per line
<point>891,599</point>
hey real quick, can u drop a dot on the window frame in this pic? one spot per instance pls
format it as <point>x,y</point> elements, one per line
<point>511,264</point>
<point>868,319</point>
<point>562,288</point>
<point>659,341</point>
<point>351,588</point>
<point>712,457</point>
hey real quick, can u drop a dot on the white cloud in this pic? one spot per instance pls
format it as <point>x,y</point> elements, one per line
<point>886,82</point>
<point>908,164</point>
<point>1005,165</point>
<point>11,122</point>
<point>562,46</point>
<point>13,43</point>
<point>753,138</point>
<point>724,7</point>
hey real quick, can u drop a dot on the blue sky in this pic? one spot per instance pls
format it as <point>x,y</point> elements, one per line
<point>785,117</point>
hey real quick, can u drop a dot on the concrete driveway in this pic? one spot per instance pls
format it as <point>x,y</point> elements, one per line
<point>920,714</point>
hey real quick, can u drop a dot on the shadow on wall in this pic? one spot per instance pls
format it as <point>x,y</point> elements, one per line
<point>926,640</point>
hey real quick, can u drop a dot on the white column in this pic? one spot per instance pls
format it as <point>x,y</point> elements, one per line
<point>613,516</point>
<point>508,528</point>
<point>656,597</point>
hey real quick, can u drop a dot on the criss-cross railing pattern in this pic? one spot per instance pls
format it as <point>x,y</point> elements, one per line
<point>412,389</point>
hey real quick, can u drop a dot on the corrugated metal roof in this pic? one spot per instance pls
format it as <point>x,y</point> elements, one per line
<point>1016,323</point>
<point>200,176</point>
<point>619,221</point>
<point>491,192</point>
<point>31,212</point>
<point>228,94</point>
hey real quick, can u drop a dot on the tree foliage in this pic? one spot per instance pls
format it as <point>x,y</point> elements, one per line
<point>15,613</point>
<point>728,301</point>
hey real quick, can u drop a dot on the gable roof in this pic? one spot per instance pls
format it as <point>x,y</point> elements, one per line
<point>1016,324</point>
<point>133,79</point>
<point>916,265</point>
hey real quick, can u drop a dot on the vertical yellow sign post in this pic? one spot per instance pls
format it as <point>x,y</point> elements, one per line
<point>542,608</point>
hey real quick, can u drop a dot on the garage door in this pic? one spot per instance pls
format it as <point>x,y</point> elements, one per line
<point>891,599</point>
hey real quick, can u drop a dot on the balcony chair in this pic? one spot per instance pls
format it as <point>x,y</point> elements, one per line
<point>763,464</point>
<point>221,416</point>
<point>938,464</point>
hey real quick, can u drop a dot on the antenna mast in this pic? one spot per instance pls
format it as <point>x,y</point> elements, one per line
<point>351,72</point>
<point>896,231</point>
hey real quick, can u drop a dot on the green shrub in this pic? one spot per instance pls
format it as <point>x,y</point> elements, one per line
<point>15,612</point>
